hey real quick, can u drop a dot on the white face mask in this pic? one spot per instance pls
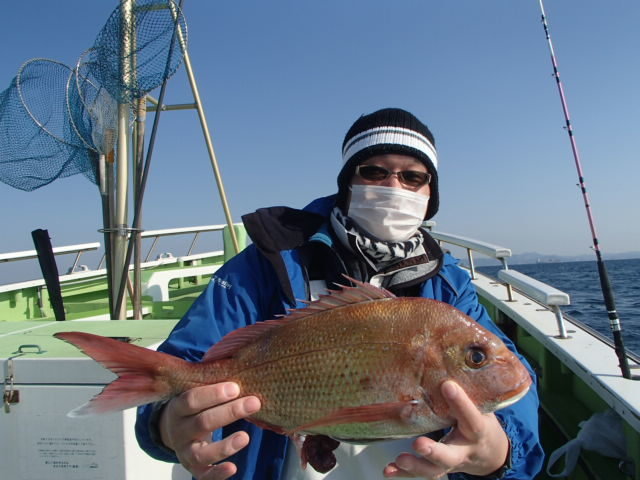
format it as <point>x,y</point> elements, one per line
<point>389,213</point>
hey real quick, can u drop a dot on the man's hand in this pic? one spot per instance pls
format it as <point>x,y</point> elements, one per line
<point>187,421</point>
<point>477,444</point>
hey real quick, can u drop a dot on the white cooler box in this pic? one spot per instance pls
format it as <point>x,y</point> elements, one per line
<point>50,378</point>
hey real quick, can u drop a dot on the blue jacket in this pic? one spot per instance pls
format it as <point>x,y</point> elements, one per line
<point>248,289</point>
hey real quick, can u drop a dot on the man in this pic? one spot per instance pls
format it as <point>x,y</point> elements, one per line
<point>371,231</point>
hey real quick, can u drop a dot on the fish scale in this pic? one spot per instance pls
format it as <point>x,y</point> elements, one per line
<point>324,392</point>
<point>295,366</point>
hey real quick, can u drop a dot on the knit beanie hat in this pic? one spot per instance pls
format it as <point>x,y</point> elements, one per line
<point>390,130</point>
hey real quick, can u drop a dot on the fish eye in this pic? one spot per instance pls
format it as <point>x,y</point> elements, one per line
<point>476,357</point>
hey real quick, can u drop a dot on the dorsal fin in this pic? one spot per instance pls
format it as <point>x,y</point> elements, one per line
<point>362,292</point>
<point>234,341</point>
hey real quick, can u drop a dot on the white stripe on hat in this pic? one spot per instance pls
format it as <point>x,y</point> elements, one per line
<point>390,136</point>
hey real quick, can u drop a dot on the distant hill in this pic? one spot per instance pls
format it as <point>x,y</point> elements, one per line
<point>534,257</point>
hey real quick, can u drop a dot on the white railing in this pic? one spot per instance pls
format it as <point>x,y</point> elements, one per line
<point>494,251</point>
<point>156,235</point>
<point>541,292</point>
<point>196,231</point>
<point>31,254</point>
<point>81,271</point>
<point>85,247</point>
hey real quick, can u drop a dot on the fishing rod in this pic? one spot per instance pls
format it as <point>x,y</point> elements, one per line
<point>605,284</point>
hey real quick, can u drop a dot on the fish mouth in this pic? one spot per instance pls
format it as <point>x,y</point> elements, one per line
<point>521,390</point>
<point>511,400</point>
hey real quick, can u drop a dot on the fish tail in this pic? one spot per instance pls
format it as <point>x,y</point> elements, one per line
<point>144,375</point>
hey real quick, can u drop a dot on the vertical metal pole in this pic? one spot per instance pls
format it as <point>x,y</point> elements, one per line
<point>472,268</point>
<point>136,234</point>
<point>138,159</point>
<point>562,331</point>
<point>122,184</point>
<point>102,174</point>
<point>106,194</point>
<point>140,185</point>
<point>110,233</point>
<point>507,284</point>
<point>122,171</point>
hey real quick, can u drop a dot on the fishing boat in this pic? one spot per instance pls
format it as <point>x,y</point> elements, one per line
<point>588,386</point>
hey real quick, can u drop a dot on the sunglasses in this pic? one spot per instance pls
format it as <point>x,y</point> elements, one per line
<point>410,178</point>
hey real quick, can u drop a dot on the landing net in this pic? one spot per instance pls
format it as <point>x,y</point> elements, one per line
<point>57,121</point>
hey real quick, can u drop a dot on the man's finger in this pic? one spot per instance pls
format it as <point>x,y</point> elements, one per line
<point>393,471</point>
<point>200,456</point>
<point>407,465</point>
<point>220,471</point>
<point>221,415</point>
<point>444,456</point>
<point>469,419</point>
<point>198,399</point>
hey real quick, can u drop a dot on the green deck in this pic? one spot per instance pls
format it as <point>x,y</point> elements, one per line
<point>36,340</point>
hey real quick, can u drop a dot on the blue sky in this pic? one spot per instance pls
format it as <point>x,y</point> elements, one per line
<point>282,81</point>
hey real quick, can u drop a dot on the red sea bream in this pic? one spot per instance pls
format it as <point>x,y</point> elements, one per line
<point>357,365</point>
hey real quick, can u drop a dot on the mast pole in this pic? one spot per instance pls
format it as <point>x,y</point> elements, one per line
<point>142,173</point>
<point>605,284</point>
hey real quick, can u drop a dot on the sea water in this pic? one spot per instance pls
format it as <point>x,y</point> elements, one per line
<point>582,282</point>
